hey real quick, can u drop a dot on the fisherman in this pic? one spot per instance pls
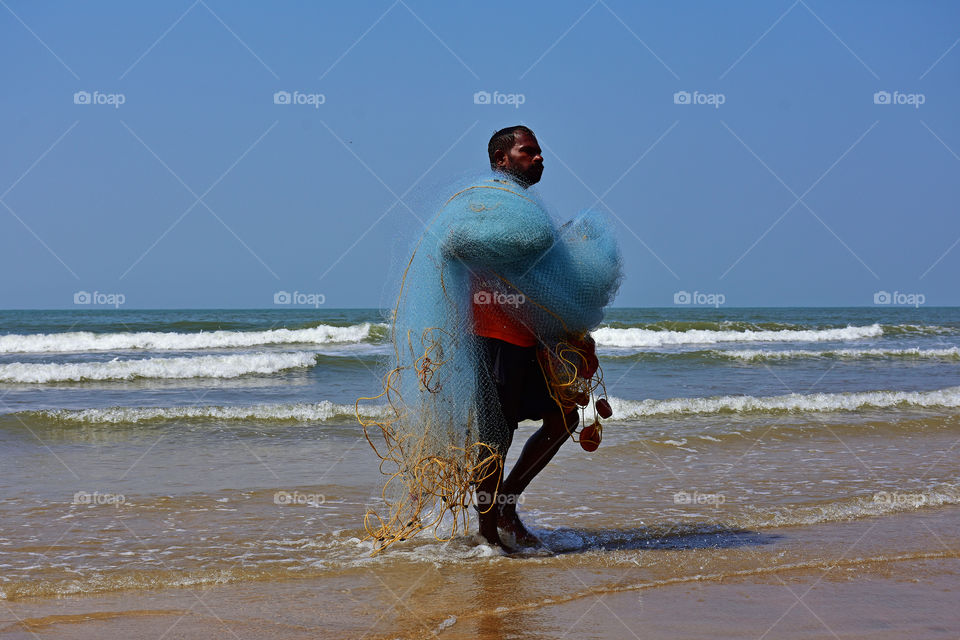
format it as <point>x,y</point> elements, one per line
<point>507,350</point>
<point>491,327</point>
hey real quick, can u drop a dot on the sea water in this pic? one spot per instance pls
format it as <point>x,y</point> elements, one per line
<point>145,449</point>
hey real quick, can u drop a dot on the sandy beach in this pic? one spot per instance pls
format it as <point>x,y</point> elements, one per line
<point>832,580</point>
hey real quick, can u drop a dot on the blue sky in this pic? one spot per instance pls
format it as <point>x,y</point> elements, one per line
<point>803,188</point>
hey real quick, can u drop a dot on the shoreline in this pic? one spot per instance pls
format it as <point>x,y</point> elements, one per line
<point>785,602</point>
<point>860,587</point>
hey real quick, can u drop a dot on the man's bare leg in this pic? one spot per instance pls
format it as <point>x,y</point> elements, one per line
<point>538,451</point>
<point>487,509</point>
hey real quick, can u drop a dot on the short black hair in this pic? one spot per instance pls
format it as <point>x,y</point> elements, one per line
<point>504,140</point>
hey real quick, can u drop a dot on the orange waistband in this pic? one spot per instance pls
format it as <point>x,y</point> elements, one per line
<point>490,321</point>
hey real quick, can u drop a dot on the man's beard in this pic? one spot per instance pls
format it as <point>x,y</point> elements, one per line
<point>524,180</point>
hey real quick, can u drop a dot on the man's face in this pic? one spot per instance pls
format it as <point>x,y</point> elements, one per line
<point>523,161</point>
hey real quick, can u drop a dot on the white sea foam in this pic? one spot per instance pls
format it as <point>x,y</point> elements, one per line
<point>225,366</point>
<point>878,504</point>
<point>760,354</point>
<point>636,337</point>
<point>631,409</point>
<point>316,412</point>
<point>622,409</point>
<point>87,341</point>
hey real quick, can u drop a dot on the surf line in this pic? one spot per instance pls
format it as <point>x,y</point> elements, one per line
<point>829,565</point>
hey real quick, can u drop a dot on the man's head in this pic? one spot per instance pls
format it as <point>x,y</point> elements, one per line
<point>515,151</point>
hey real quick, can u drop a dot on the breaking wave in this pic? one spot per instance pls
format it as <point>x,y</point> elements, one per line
<point>75,341</point>
<point>226,366</point>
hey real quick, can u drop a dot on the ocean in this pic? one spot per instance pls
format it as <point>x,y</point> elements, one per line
<point>146,450</point>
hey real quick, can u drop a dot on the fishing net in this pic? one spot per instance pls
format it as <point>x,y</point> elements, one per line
<point>492,243</point>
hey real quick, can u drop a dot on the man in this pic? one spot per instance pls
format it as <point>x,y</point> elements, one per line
<point>492,289</point>
<point>508,354</point>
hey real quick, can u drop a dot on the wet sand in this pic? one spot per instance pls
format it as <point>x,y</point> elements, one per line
<point>889,577</point>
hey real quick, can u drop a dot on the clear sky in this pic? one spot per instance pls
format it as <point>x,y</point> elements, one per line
<point>781,176</point>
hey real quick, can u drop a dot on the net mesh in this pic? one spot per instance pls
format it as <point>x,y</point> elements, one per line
<point>492,243</point>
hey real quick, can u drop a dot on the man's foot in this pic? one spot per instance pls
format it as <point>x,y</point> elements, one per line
<point>510,522</point>
<point>497,541</point>
<point>488,531</point>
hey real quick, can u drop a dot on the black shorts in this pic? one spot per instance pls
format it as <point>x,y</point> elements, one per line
<point>514,376</point>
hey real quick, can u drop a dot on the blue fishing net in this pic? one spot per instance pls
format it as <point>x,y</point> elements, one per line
<point>492,243</point>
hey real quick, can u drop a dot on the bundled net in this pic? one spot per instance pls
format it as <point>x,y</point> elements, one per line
<point>491,243</point>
